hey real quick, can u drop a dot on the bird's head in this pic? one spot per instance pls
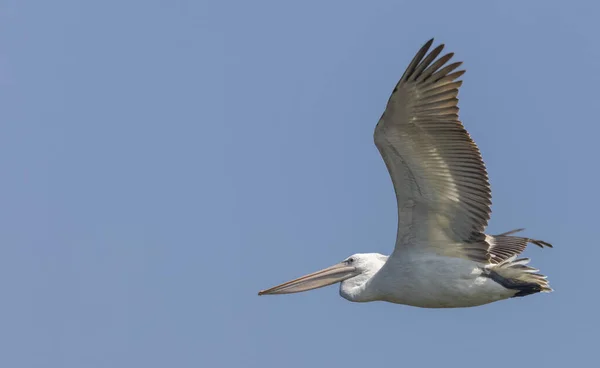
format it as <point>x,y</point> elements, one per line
<point>366,263</point>
<point>357,267</point>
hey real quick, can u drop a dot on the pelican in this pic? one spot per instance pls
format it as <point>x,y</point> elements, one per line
<point>442,257</point>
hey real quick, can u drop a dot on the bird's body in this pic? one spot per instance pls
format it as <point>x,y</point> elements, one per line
<point>428,281</point>
<point>442,257</point>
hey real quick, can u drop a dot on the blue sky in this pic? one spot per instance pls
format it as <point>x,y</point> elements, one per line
<point>163,161</point>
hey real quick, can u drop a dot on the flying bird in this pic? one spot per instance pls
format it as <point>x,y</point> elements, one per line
<point>442,257</point>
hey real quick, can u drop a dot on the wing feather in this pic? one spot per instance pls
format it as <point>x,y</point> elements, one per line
<point>439,177</point>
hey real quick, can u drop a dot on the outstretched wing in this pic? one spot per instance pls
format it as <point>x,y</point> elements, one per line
<point>439,177</point>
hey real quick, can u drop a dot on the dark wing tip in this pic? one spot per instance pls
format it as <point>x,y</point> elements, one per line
<point>540,243</point>
<point>511,232</point>
<point>415,61</point>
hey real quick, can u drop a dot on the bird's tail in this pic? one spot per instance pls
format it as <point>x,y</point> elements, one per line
<point>516,275</point>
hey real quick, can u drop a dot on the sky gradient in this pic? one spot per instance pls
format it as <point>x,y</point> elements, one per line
<point>163,161</point>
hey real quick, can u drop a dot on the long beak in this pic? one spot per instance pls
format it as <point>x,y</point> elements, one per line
<point>328,276</point>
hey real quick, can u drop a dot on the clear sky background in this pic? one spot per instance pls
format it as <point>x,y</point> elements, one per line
<point>162,161</point>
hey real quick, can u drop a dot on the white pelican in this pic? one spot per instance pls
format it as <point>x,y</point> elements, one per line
<point>442,257</point>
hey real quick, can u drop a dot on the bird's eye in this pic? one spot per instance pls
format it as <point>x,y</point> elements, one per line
<point>350,260</point>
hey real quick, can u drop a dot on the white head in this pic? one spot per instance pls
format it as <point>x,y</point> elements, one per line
<point>355,288</point>
<point>353,273</point>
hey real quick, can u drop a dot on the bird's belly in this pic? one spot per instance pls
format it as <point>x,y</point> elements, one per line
<point>432,281</point>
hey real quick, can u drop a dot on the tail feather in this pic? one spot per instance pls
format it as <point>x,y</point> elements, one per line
<point>514,274</point>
